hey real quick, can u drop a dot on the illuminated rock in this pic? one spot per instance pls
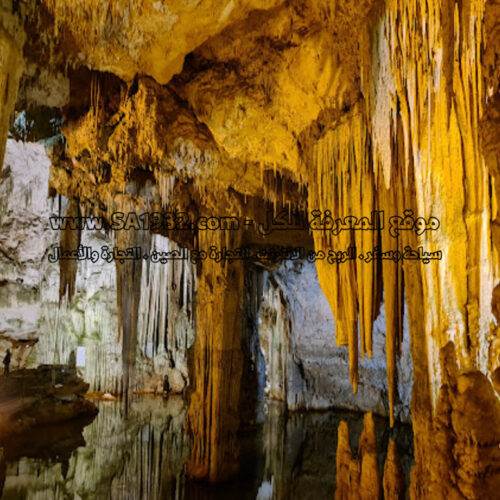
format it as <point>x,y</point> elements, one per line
<point>352,107</point>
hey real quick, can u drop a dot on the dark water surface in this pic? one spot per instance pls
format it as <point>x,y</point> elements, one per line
<point>142,456</point>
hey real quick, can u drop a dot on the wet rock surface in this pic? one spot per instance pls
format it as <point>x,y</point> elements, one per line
<point>47,394</point>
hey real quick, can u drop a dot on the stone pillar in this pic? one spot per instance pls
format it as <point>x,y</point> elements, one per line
<point>213,416</point>
<point>128,285</point>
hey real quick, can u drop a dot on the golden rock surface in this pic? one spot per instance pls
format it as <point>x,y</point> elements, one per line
<point>352,106</point>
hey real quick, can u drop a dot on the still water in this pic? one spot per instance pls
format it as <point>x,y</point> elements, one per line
<point>142,456</point>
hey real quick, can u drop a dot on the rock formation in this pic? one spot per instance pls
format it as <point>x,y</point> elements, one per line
<point>304,367</point>
<point>38,328</point>
<point>242,108</point>
<point>40,396</point>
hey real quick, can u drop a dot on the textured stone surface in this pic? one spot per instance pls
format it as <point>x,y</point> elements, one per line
<point>347,106</point>
<point>304,367</point>
<point>47,394</point>
<point>30,309</point>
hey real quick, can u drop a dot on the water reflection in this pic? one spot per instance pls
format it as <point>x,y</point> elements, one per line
<point>143,456</point>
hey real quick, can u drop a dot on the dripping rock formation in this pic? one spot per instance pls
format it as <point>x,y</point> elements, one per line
<point>376,121</point>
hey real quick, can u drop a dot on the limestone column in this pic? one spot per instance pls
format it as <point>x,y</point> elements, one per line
<point>128,286</point>
<point>213,415</point>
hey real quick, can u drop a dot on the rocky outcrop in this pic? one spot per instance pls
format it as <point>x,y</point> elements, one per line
<point>47,394</point>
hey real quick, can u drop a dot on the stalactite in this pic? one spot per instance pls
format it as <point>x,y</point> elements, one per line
<point>428,100</point>
<point>165,324</point>
<point>428,96</point>
<point>417,146</point>
<point>165,183</point>
<point>342,183</point>
<point>70,240</point>
<point>391,201</point>
<point>276,351</point>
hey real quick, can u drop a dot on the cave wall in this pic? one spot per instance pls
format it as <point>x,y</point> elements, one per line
<point>39,329</point>
<point>304,367</point>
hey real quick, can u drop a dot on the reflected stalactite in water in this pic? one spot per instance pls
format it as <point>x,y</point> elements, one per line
<point>301,449</point>
<point>348,468</point>
<point>369,485</point>
<point>141,456</point>
<point>358,478</point>
<point>288,444</point>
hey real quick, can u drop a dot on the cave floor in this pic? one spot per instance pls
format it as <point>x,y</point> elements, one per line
<point>141,454</point>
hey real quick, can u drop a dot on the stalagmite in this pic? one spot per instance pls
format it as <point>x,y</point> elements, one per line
<point>394,479</point>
